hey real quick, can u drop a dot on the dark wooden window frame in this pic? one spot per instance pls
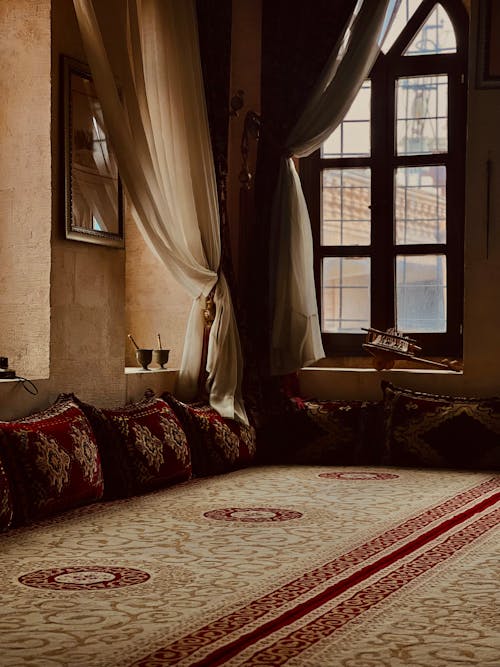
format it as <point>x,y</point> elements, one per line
<point>382,163</point>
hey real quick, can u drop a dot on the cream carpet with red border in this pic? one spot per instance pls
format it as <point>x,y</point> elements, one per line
<point>299,566</point>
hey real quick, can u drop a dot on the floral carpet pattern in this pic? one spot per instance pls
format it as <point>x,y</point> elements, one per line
<point>300,566</point>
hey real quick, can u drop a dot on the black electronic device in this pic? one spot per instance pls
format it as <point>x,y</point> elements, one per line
<point>6,373</point>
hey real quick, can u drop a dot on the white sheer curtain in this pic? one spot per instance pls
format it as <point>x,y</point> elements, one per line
<point>296,333</point>
<point>161,139</point>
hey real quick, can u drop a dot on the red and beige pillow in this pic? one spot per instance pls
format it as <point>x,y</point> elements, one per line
<point>52,462</point>
<point>143,446</point>
<point>217,444</point>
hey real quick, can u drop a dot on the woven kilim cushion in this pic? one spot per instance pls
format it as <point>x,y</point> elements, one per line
<point>441,431</point>
<point>321,432</point>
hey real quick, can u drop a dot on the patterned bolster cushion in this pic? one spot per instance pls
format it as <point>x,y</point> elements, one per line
<point>217,444</point>
<point>431,430</point>
<point>324,432</point>
<point>52,462</point>
<point>142,445</point>
<point>6,506</point>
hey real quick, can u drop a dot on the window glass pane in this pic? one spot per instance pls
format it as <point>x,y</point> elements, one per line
<point>345,207</point>
<point>435,36</point>
<point>421,293</point>
<point>420,205</point>
<point>345,294</point>
<point>422,114</point>
<point>352,136</point>
<point>405,12</point>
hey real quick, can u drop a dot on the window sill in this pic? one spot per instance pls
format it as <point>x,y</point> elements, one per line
<point>357,364</point>
<point>136,370</point>
<point>355,383</point>
<point>342,369</point>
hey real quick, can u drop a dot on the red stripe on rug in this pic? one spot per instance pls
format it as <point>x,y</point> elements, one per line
<point>189,644</point>
<point>322,627</point>
<point>220,656</point>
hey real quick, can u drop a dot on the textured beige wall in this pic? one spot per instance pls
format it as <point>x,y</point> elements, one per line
<point>25,196</point>
<point>155,303</point>
<point>87,281</point>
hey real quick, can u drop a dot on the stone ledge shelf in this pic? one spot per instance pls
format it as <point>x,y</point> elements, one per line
<point>130,370</point>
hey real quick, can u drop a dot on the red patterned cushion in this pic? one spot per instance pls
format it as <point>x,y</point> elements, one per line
<point>143,447</point>
<point>322,432</point>
<point>6,509</point>
<point>52,462</point>
<point>217,444</point>
<point>430,430</point>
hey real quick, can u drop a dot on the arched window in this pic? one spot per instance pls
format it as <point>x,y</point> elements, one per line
<point>386,190</point>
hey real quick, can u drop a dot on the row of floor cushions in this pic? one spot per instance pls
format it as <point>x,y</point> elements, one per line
<point>406,428</point>
<point>74,453</point>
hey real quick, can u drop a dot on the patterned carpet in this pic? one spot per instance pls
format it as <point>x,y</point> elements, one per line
<point>303,566</point>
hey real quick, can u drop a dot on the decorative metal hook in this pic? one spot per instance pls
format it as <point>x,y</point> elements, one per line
<point>251,130</point>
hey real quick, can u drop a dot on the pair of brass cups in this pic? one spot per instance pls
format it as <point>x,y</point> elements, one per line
<point>145,357</point>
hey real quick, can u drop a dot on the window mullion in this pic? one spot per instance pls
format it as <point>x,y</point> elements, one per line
<point>382,283</point>
<point>455,202</point>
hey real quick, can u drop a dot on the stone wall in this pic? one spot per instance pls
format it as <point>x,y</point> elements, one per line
<point>25,184</point>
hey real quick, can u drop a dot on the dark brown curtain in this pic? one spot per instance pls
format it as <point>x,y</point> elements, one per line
<point>214,29</point>
<point>297,40</point>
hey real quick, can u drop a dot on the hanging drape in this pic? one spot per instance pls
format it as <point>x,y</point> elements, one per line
<point>161,139</point>
<point>296,333</point>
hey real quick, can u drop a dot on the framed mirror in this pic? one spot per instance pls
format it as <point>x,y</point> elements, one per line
<point>93,193</point>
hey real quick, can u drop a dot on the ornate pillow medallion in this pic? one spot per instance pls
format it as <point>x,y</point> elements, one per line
<point>432,430</point>
<point>52,461</point>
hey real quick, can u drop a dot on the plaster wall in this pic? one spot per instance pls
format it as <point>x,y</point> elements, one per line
<point>87,281</point>
<point>25,184</point>
<point>155,302</point>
